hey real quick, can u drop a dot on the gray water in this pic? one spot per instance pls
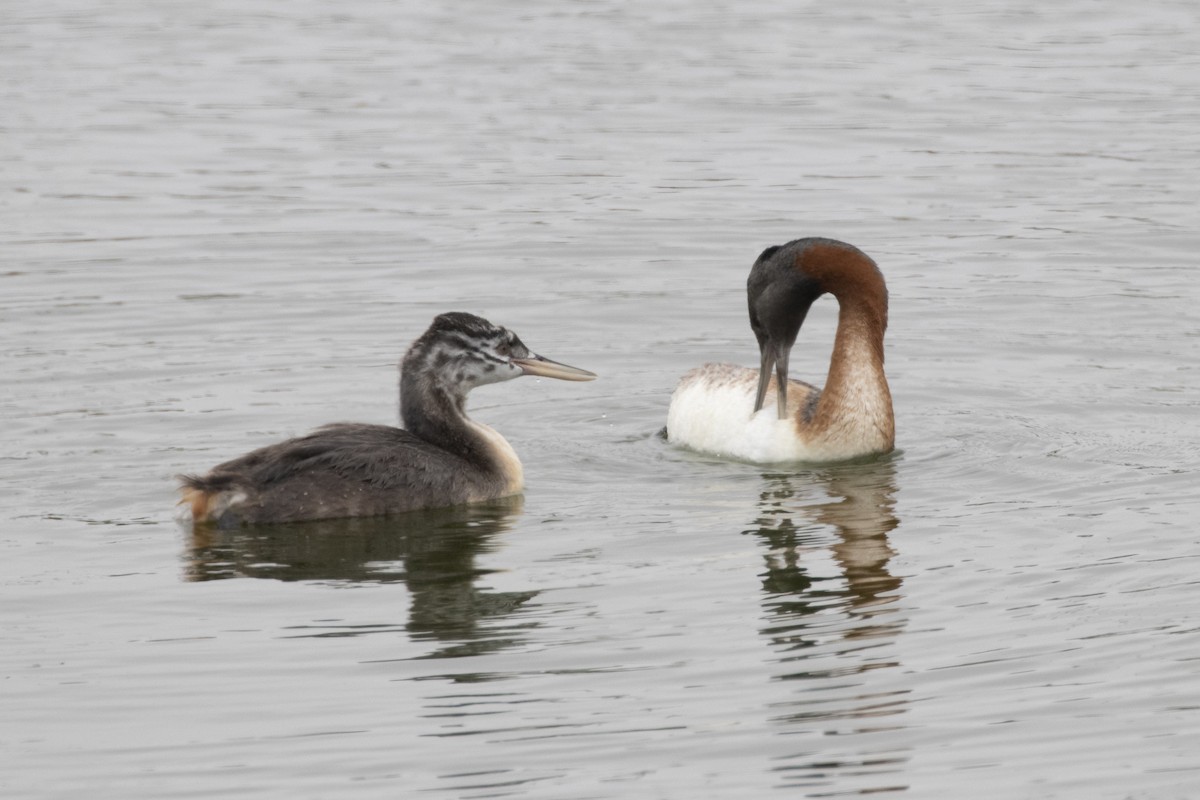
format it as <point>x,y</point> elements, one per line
<point>221,223</point>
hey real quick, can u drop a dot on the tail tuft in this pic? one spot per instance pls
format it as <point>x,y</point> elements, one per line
<point>204,495</point>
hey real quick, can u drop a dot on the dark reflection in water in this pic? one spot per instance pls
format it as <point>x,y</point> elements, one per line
<point>831,624</point>
<point>432,552</point>
<point>860,509</point>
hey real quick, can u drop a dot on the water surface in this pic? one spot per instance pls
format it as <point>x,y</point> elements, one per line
<point>223,223</point>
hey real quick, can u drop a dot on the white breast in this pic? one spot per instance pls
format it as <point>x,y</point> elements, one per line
<point>510,465</point>
<point>712,411</point>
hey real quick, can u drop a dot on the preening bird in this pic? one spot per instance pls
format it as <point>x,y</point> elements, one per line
<point>732,411</point>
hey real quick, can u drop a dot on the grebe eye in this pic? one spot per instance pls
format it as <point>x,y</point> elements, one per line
<point>504,349</point>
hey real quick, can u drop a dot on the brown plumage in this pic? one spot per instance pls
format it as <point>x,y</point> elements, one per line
<point>443,458</point>
<point>719,408</point>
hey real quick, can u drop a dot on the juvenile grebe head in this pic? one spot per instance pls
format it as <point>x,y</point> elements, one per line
<point>461,351</point>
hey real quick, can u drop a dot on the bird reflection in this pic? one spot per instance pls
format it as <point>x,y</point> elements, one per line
<point>432,552</point>
<point>832,612</point>
<point>859,506</point>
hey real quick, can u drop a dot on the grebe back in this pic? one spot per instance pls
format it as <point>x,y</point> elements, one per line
<point>725,409</point>
<point>441,457</point>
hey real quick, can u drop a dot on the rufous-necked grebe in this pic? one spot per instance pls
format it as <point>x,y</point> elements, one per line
<point>719,408</point>
<point>440,458</point>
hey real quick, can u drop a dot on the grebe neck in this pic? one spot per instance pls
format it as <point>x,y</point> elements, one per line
<point>437,413</point>
<point>856,386</point>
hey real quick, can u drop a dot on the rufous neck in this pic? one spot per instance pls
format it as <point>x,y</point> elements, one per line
<point>856,384</point>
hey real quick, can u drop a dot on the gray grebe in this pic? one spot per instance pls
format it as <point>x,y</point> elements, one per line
<point>719,408</point>
<point>441,458</point>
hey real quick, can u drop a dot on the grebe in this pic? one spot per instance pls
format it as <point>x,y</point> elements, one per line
<point>719,408</point>
<point>441,458</point>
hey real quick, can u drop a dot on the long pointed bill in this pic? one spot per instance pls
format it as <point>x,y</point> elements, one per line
<point>764,375</point>
<point>781,381</point>
<point>545,368</point>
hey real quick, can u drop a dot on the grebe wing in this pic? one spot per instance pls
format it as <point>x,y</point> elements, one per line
<point>380,455</point>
